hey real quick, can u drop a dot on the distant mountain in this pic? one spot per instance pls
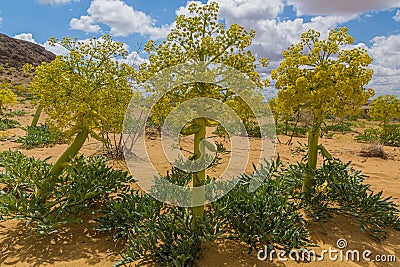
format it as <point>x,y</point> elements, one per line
<point>15,53</point>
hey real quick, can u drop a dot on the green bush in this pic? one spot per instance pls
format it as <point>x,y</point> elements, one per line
<point>290,129</point>
<point>252,129</point>
<point>172,238</point>
<point>370,135</point>
<point>341,126</point>
<point>84,183</point>
<point>150,229</point>
<point>267,216</point>
<point>122,214</point>
<point>39,136</point>
<point>270,215</point>
<point>6,123</point>
<point>340,190</point>
<point>389,135</point>
<point>328,130</point>
<point>17,113</point>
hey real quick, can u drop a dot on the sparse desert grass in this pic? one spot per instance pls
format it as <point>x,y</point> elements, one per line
<point>6,123</point>
<point>39,136</point>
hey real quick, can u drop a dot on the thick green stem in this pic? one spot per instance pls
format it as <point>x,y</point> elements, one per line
<point>70,152</point>
<point>312,157</point>
<point>199,177</point>
<point>36,117</point>
<point>60,164</point>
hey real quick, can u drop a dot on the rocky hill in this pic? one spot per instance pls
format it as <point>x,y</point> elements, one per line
<point>15,53</point>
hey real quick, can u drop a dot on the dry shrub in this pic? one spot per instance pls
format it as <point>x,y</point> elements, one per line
<point>374,150</point>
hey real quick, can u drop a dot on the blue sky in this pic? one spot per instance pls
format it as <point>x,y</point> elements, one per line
<point>375,25</point>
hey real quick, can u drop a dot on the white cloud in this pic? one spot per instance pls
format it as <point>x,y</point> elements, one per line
<point>274,36</point>
<point>133,59</point>
<point>120,17</point>
<point>1,20</point>
<point>324,23</point>
<point>397,16</point>
<point>250,9</point>
<point>340,7</point>
<point>55,49</point>
<point>56,2</point>
<point>84,23</point>
<point>386,52</point>
<point>385,81</point>
<point>26,37</point>
<point>386,64</point>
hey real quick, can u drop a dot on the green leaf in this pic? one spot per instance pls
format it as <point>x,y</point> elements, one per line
<point>209,145</point>
<point>324,152</point>
<point>190,128</point>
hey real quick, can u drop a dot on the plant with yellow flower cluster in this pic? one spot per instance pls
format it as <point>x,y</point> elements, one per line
<point>385,108</point>
<point>82,92</point>
<point>196,38</point>
<point>321,76</point>
<point>7,96</point>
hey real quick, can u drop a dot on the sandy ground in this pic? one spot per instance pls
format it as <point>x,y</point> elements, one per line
<point>78,246</point>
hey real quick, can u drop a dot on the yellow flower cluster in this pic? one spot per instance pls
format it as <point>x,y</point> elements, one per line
<point>322,77</point>
<point>201,37</point>
<point>7,96</point>
<point>86,88</point>
<point>385,108</point>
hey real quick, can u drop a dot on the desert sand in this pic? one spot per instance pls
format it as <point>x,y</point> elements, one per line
<point>78,245</point>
